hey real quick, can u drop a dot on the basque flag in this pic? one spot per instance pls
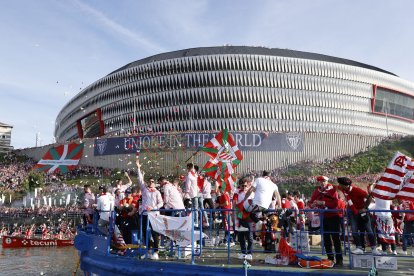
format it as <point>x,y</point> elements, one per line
<point>225,156</point>
<point>61,158</point>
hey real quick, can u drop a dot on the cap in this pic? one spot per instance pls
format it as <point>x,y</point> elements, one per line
<point>344,181</point>
<point>128,191</point>
<point>101,187</point>
<point>322,178</point>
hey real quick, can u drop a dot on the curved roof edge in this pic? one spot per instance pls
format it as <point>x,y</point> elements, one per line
<point>247,50</point>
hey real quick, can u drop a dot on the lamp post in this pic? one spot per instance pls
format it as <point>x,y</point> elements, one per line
<point>386,107</point>
<point>37,138</point>
<point>135,110</point>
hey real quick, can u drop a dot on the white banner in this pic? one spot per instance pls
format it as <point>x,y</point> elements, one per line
<point>176,228</point>
<point>67,199</point>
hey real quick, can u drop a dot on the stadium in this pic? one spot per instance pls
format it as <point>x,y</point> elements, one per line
<point>282,106</point>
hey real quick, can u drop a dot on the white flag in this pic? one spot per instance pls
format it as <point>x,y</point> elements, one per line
<point>176,228</point>
<point>67,199</point>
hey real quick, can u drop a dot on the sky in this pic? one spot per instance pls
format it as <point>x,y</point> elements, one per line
<point>50,49</point>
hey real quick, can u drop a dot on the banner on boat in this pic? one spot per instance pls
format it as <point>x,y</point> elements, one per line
<point>61,158</point>
<point>176,228</point>
<point>192,141</point>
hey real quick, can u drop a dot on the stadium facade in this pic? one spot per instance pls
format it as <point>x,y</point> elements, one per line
<point>320,106</point>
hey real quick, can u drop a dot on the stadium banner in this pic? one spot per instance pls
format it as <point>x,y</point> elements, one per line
<point>193,141</point>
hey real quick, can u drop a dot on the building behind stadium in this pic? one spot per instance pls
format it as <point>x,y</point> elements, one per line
<point>282,106</point>
<point>5,137</point>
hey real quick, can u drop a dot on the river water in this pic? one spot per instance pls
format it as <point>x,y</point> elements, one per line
<point>38,261</point>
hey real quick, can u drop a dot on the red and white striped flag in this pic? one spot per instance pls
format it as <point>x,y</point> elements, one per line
<point>391,180</point>
<point>407,190</point>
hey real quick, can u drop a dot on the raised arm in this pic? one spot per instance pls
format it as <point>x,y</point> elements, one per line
<point>249,192</point>
<point>279,199</point>
<point>141,182</point>
<point>129,179</point>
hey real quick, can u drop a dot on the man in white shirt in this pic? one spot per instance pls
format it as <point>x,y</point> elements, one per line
<point>264,190</point>
<point>207,199</point>
<point>172,196</point>
<point>105,207</point>
<point>191,190</point>
<point>151,200</point>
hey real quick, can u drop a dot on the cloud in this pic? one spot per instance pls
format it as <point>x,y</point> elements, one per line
<point>109,25</point>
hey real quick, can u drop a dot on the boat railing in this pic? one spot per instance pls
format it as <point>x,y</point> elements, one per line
<point>296,232</point>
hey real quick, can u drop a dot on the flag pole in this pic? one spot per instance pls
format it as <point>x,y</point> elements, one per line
<point>192,155</point>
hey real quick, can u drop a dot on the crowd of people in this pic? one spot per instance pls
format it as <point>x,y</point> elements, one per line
<point>242,213</point>
<point>13,171</point>
<point>63,230</point>
<point>250,205</point>
<point>41,212</point>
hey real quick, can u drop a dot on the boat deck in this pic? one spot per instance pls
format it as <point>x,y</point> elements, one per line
<point>218,257</point>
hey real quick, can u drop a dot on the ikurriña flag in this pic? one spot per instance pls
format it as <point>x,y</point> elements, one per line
<point>225,156</point>
<point>61,158</point>
<point>392,180</point>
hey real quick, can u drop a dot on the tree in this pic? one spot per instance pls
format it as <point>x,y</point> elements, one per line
<point>34,180</point>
